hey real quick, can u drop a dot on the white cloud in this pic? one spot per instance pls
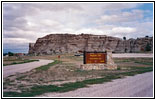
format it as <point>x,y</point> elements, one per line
<point>16,40</point>
<point>123,30</point>
<point>26,22</point>
<point>121,17</point>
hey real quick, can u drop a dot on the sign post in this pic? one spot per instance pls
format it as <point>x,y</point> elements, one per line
<point>95,58</point>
<point>98,60</point>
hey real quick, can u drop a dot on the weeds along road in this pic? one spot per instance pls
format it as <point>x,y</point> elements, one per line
<point>140,85</point>
<point>20,68</point>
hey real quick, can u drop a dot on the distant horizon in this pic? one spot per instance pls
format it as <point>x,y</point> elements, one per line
<point>14,51</point>
<point>26,50</point>
<point>94,34</point>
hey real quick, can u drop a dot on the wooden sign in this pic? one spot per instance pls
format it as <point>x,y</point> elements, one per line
<point>94,58</point>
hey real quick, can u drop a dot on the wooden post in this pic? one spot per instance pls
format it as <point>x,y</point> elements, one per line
<point>84,57</point>
<point>58,57</point>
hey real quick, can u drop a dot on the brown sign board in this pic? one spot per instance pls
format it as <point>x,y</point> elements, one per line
<point>94,58</point>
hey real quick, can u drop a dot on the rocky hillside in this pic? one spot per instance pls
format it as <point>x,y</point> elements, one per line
<point>71,43</point>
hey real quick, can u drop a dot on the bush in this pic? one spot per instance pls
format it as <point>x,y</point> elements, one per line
<point>124,38</point>
<point>148,47</point>
<point>4,54</point>
<point>118,68</point>
<point>146,36</point>
<point>10,53</point>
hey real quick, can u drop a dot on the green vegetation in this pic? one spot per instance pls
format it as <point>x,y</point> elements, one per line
<point>122,60</point>
<point>25,61</point>
<point>126,67</point>
<point>38,90</point>
<point>135,60</point>
<point>137,70</point>
<point>144,63</point>
<point>10,53</point>
<point>148,47</point>
<point>46,67</point>
<point>77,58</point>
<point>118,68</point>
<point>124,38</point>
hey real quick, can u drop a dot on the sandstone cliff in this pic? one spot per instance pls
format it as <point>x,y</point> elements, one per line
<point>71,43</point>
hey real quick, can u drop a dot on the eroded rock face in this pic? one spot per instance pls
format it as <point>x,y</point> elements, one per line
<point>71,43</point>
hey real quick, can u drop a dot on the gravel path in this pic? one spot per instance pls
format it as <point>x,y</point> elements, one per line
<point>20,68</point>
<point>140,85</point>
<point>127,55</point>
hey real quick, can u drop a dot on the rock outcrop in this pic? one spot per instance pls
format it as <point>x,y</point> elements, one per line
<point>71,43</point>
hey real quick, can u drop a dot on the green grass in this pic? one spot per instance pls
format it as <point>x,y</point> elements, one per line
<point>138,70</point>
<point>38,90</point>
<point>122,60</point>
<point>46,67</point>
<point>135,60</point>
<point>25,61</point>
<point>18,59</point>
<point>144,63</point>
<point>77,58</point>
<point>118,68</point>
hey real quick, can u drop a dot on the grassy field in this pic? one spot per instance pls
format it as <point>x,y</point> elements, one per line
<point>46,67</point>
<point>64,75</point>
<point>16,60</point>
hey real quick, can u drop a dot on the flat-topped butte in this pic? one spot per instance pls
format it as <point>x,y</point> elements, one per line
<point>71,43</point>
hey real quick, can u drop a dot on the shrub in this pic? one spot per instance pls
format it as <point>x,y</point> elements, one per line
<point>148,47</point>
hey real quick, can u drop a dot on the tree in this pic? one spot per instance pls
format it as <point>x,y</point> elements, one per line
<point>124,38</point>
<point>148,47</point>
<point>4,54</point>
<point>10,53</point>
<point>146,36</point>
<point>125,49</point>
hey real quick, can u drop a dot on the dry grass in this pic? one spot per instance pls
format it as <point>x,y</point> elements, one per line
<point>68,71</point>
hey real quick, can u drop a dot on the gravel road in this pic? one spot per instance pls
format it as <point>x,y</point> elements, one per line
<point>140,85</point>
<point>20,68</point>
<point>127,55</point>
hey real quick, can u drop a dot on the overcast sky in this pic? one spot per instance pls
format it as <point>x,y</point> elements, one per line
<point>25,22</point>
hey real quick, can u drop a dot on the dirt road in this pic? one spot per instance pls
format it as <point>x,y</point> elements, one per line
<point>140,85</point>
<point>20,68</point>
<point>127,55</point>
